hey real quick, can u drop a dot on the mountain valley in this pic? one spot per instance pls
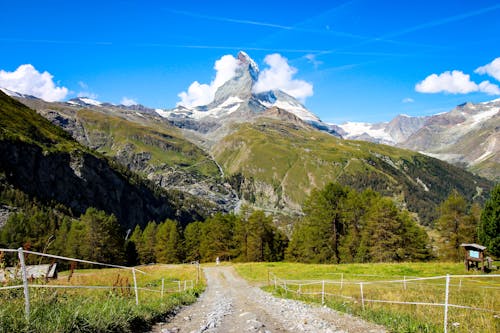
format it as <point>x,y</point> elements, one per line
<point>266,150</point>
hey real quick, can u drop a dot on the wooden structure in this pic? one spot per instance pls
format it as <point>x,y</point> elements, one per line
<point>48,271</point>
<point>474,254</point>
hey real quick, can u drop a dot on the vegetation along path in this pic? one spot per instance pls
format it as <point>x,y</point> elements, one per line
<point>230,304</point>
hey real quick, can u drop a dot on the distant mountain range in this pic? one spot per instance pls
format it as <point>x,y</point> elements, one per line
<point>269,151</point>
<point>468,136</point>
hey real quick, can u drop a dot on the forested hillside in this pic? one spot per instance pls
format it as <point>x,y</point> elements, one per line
<point>275,165</point>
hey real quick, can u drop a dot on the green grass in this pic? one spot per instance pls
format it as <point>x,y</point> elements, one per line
<point>475,292</point>
<point>18,122</point>
<point>166,145</point>
<point>91,310</point>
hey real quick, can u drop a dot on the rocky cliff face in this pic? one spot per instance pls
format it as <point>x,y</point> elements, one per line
<point>44,162</point>
<point>80,180</point>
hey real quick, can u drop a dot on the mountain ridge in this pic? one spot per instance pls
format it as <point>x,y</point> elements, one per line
<point>467,135</point>
<point>45,162</point>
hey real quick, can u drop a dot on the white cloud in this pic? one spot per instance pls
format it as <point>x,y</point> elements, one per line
<point>489,88</point>
<point>279,75</point>
<point>202,94</point>
<point>492,69</point>
<point>128,101</point>
<point>408,100</point>
<point>455,82</point>
<point>27,80</point>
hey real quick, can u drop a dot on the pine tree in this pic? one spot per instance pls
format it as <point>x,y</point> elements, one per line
<point>317,237</point>
<point>192,239</point>
<point>489,226</point>
<point>146,247</point>
<point>103,240</point>
<point>216,241</point>
<point>168,243</point>
<point>456,226</point>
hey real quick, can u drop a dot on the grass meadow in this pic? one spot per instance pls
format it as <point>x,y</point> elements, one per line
<point>59,309</point>
<point>342,293</point>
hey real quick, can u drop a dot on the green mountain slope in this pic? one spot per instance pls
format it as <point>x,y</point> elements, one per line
<point>275,165</point>
<point>145,144</point>
<point>43,161</point>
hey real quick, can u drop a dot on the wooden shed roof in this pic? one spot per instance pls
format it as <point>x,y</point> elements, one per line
<point>473,246</point>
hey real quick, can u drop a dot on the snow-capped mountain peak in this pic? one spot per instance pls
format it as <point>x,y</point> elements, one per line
<point>84,101</point>
<point>253,69</point>
<point>12,93</point>
<point>236,99</point>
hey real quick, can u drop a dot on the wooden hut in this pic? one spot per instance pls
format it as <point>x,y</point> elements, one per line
<point>474,254</point>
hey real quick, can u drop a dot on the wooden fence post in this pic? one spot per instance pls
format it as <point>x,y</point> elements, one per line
<point>25,283</point>
<point>162,286</point>
<point>135,287</point>
<point>341,280</point>
<point>404,282</point>
<point>323,292</point>
<point>179,283</point>
<point>362,296</point>
<point>447,291</point>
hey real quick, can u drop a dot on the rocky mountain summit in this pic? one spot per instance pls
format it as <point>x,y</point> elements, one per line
<point>235,102</point>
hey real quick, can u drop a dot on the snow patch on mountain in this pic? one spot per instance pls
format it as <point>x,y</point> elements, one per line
<point>11,93</point>
<point>359,129</point>
<point>84,101</point>
<point>484,116</point>
<point>229,106</point>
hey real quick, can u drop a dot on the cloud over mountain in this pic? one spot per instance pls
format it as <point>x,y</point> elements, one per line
<point>202,94</point>
<point>279,75</point>
<point>26,79</point>
<point>454,82</point>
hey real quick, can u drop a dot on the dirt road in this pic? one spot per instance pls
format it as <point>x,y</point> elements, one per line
<point>230,304</point>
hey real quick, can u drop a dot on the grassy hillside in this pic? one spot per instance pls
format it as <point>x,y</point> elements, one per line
<point>43,161</point>
<point>165,147</point>
<point>18,123</point>
<point>275,165</point>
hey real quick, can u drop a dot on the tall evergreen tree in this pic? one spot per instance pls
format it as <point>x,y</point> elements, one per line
<point>317,238</point>
<point>146,246</point>
<point>217,235</point>
<point>104,241</point>
<point>192,238</point>
<point>489,226</point>
<point>168,243</point>
<point>455,225</point>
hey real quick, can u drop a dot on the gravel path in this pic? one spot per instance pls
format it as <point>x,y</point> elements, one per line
<point>230,304</point>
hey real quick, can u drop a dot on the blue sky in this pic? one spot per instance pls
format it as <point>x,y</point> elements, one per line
<point>363,58</point>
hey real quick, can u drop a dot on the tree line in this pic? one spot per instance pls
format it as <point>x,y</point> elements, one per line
<point>340,225</point>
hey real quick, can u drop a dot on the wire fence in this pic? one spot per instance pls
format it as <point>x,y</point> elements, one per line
<point>469,292</point>
<point>32,277</point>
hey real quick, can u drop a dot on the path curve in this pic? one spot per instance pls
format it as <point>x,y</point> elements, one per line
<point>230,304</point>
